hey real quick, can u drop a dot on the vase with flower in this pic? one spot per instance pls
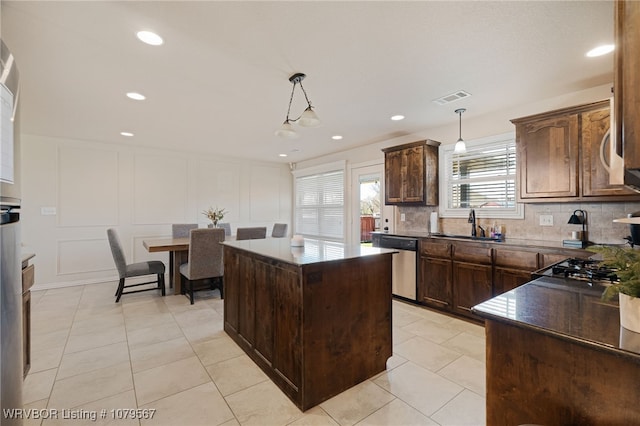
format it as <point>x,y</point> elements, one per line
<point>215,215</point>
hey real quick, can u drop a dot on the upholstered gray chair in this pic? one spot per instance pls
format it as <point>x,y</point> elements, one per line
<point>205,260</point>
<point>279,230</point>
<point>251,233</point>
<point>226,226</point>
<point>152,267</point>
<point>181,230</point>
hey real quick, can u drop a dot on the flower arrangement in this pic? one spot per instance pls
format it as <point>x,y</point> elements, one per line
<point>214,215</point>
<point>626,261</point>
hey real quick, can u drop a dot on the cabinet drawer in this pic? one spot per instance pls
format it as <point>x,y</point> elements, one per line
<point>431,248</point>
<point>28,275</point>
<point>472,254</point>
<point>525,260</point>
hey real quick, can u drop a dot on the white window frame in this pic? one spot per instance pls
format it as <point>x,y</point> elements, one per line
<point>318,170</point>
<point>446,158</point>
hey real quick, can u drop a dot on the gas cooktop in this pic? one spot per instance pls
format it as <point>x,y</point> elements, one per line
<point>590,271</point>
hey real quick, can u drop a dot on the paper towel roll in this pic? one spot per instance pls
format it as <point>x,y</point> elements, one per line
<point>434,223</point>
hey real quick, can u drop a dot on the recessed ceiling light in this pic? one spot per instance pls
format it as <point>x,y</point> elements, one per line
<point>600,50</point>
<point>282,155</point>
<point>127,134</point>
<point>150,38</point>
<point>397,117</point>
<point>136,96</point>
<point>336,137</point>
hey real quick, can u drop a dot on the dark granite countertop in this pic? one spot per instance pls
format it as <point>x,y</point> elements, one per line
<point>566,309</point>
<point>313,251</point>
<point>517,242</point>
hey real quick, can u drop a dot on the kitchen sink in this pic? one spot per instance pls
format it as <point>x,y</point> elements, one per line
<point>467,237</point>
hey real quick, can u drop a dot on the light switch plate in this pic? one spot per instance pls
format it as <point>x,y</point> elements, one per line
<point>47,211</point>
<point>402,218</point>
<point>546,220</point>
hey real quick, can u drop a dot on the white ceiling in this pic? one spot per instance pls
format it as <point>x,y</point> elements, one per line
<point>220,84</point>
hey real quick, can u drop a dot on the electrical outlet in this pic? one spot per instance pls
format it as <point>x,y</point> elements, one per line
<point>402,218</point>
<point>546,220</point>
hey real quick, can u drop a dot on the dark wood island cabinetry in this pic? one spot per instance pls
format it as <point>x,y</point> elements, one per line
<point>556,355</point>
<point>316,319</point>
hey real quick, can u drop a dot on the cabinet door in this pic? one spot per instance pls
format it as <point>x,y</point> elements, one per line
<point>472,284</point>
<point>393,177</point>
<point>413,175</point>
<point>548,157</point>
<point>627,80</point>
<point>506,279</point>
<point>434,288</point>
<point>595,178</point>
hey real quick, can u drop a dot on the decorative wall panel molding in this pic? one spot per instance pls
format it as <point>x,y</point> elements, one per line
<point>87,187</point>
<point>160,189</point>
<point>84,255</point>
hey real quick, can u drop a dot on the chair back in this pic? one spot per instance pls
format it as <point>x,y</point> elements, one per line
<point>226,226</point>
<point>117,252</point>
<point>251,233</point>
<point>279,230</point>
<point>205,253</point>
<point>181,230</point>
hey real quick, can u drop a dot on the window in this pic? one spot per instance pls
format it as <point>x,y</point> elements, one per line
<point>483,178</point>
<point>319,201</point>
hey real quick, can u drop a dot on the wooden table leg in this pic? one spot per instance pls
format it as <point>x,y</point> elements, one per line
<point>179,257</point>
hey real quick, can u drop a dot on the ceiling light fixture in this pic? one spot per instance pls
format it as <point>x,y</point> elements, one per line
<point>336,137</point>
<point>460,145</point>
<point>308,118</point>
<point>600,50</point>
<point>397,117</point>
<point>127,134</point>
<point>150,38</point>
<point>136,96</point>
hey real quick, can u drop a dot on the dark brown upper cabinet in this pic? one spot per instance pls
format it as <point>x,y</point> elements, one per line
<point>411,173</point>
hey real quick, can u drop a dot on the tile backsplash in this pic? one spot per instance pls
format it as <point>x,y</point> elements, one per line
<point>600,226</point>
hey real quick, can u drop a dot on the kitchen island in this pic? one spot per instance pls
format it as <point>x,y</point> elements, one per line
<point>316,319</point>
<point>556,355</point>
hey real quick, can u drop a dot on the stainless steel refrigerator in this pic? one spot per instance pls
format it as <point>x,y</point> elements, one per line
<point>10,244</point>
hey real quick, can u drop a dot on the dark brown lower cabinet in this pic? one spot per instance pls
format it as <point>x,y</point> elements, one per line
<point>505,279</point>
<point>28,277</point>
<point>472,284</point>
<point>435,288</point>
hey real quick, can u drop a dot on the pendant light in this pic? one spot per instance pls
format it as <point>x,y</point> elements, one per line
<point>308,118</point>
<point>460,147</point>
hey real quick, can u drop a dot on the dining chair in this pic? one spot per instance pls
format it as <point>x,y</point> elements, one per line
<point>251,233</point>
<point>205,261</point>
<point>226,226</point>
<point>179,230</point>
<point>151,267</point>
<point>279,230</point>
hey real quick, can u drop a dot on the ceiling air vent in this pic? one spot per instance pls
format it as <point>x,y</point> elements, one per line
<point>447,99</point>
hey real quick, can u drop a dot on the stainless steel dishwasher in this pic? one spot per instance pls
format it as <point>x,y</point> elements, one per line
<point>404,263</point>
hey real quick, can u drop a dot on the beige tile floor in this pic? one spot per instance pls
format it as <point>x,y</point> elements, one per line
<point>90,354</point>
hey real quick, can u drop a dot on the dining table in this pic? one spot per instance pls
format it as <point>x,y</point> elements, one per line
<point>178,249</point>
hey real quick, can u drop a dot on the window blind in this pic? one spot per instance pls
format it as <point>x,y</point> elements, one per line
<point>482,178</point>
<point>319,205</point>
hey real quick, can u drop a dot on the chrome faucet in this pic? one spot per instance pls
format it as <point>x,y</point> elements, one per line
<point>472,221</point>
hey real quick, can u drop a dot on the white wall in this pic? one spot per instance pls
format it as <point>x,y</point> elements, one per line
<point>139,191</point>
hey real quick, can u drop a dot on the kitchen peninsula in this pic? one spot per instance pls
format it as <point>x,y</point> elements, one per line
<point>316,319</point>
<point>556,355</point>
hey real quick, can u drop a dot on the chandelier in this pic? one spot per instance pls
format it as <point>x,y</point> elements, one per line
<point>308,118</point>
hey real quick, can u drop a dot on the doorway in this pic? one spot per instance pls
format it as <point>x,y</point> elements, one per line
<point>369,212</point>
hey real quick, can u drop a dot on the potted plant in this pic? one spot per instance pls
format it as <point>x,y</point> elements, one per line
<point>214,215</point>
<point>626,261</point>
